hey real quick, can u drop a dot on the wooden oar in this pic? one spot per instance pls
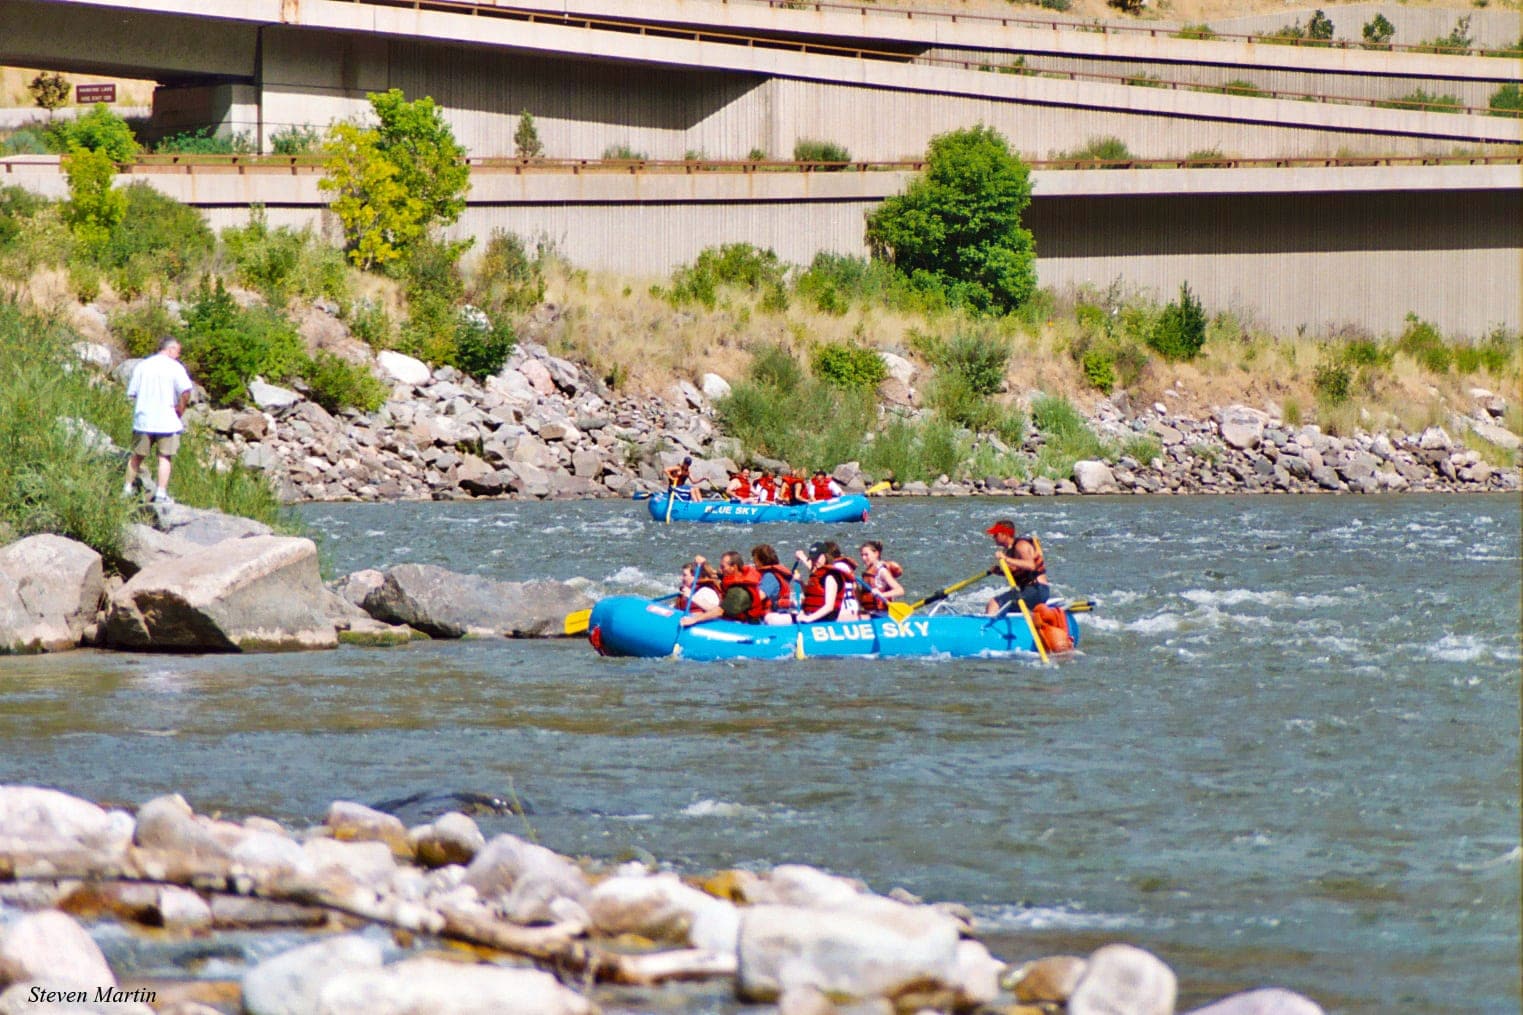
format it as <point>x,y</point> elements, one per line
<point>577,620</point>
<point>671,498</point>
<point>1036,636</point>
<point>898,612</point>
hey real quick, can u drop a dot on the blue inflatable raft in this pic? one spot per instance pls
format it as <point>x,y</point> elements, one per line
<point>853,507</point>
<point>632,626</point>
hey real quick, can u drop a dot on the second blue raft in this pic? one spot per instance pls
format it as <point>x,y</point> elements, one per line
<point>852,507</point>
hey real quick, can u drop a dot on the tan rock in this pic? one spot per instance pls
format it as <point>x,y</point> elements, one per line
<point>1051,979</point>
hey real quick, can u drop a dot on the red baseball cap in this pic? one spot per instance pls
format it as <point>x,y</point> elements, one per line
<point>1000,527</point>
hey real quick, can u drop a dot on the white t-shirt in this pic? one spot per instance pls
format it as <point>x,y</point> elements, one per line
<point>157,384</point>
<point>705,599</point>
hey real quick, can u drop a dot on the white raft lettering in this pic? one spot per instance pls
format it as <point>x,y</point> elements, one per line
<point>865,631</point>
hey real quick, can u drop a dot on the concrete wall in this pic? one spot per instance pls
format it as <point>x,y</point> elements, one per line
<point>1287,248</point>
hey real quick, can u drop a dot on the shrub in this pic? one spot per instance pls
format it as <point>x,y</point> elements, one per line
<point>1142,448</point>
<point>773,366</point>
<point>1378,32</point>
<point>1127,6</point>
<point>1507,101</point>
<point>806,150</point>
<point>226,347</point>
<point>738,265</point>
<point>979,356</point>
<point>526,140</point>
<point>24,142</point>
<point>17,205</point>
<point>1099,370</point>
<point>372,324</point>
<point>1195,31</point>
<point>1425,344</point>
<point>1320,27</point>
<point>296,140</point>
<point>336,384</point>
<point>49,91</point>
<point>204,142</point>
<point>507,278</point>
<point>756,155</point>
<point>1238,86</point>
<point>434,294</point>
<point>833,282</point>
<point>1424,102</point>
<point>1066,437</point>
<point>284,262</point>
<point>482,344</point>
<point>1181,328</point>
<point>956,231</point>
<point>1101,149</point>
<point>169,238</point>
<point>1333,382</point>
<point>99,130</point>
<point>623,152</point>
<point>848,366</point>
<point>1458,39</point>
<point>140,328</point>
<point>1055,5</point>
<point>95,208</point>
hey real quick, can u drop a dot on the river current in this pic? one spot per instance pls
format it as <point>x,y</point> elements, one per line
<point>1288,753</point>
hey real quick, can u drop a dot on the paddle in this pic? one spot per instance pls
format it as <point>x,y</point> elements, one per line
<point>671,498</point>
<point>905,609</point>
<point>577,620</point>
<point>1036,636</point>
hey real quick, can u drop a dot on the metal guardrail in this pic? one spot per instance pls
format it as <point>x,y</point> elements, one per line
<point>480,7</point>
<point>305,165</point>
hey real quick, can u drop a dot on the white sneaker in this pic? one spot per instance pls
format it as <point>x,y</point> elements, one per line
<point>162,498</point>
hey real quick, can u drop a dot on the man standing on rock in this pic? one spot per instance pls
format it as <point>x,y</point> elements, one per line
<point>160,391</point>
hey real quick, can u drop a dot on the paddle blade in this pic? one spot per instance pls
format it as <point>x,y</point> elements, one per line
<point>1082,606</point>
<point>900,612</point>
<point>878,488</point>
<point>576,623</point>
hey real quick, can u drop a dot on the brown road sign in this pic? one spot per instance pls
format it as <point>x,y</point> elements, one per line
<point>90,94</point>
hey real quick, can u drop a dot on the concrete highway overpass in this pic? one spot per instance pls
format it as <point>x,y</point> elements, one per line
<point>1312,247</point>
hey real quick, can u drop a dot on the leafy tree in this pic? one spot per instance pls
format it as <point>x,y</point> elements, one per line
<point>958,228</point>
<point>526,138</point>
<point>1378,31</point>
<point>395,181</point>
<point>49,91</point>
<point>1320,27</point>
<point>1507,101</point>
<point>94,208</point>
<point>99,130</point>
<point>1181,328</point>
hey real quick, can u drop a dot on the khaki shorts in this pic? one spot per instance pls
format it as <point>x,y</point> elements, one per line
<point>168,443</point>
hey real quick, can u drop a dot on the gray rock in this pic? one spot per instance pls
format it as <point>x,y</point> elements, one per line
<point>526,878</point>
<point>660,907</point>
<point>1124,980</point>
<point>292,982</point>
<point>899,368</point>
<point>356,585</point>
<point>51,949</point>
<point>714,387</point>
<point>203,527</point>
<point>444,604</point>
<point>1435,438</point>
<point>1266,1001</point>
<point>1041,486</point>
<point>251,425</point>
<point>1241,427</point>
<point>1498,435</point>
<point>262,593</point>
<point>91,436</point>
<point>33,819</point>
<point>50,589</point>
<point>402,369</point>
<point>167,823</point>
<point>1065,488</point>
<point>354,822</point>
<point>1094,477</point>
<point>451,838</point>
<point>270,396</point>
<point>425,984</point>
<point>1326,478</point>
<point>260,457</point>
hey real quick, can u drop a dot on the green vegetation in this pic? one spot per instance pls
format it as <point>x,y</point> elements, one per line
<point>49,90</point>
<point>820,151</point>
<point>1421,100</point>
<point>56,476</point>
<point>1378,32</point>
<point>395,182</point>
<point>95,208</point>
<point>1101,149</point>
<point>99,130</point>
<point>296,140</point>
<point>336,384</point>
<point>507,278</point>
<point>1195,31</point>
<point>204,142</point>
<point>738,266</point>
<point>1181,328</point>
<point>956,231</point>
<point>226,346</point>
<point>1066,437</point>
<point>848,366</point>
<point>1457,41</point>
<point>526,140</point>
<point>283,263</point>
<point>1238,86</point>
<point>834,283</point>
<point>1507,101</point>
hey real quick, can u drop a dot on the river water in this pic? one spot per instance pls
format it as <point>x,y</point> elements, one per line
<point>1288,753</point>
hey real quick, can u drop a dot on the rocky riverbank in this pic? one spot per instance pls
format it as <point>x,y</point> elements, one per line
<point>363,913</point>
<point>545,428</point>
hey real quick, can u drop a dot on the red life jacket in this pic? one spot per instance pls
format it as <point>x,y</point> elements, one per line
<point>784,600</point>
<point>867,596</point>
<point>1052,625</point>
<point>814,589</point>
<point>820,489</point>
<point>749,578</point>
<point>767,490</point>
<point>792,489</point>
<point>742,488</point>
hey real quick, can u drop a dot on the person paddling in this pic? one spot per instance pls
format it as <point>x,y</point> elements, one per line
<point>1018,554</point>
<point>880,579</point>
<point>740,487</point>
<point>831,577</point>
<point>822,487</point>
<point>679,481</point>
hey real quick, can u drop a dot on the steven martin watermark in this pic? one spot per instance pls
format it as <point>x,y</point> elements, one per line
<point>103,995</point>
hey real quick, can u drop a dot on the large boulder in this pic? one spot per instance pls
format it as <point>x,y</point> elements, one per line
<point>425,985</point>
<point>445,604</point>
<point>526,879</point>
<point>1265,1001</point>
<point>403,369</point>
<point>262,593</point>
<point>1242,428</point>
<point>852,952</point>
<point>660,907</point>
<point>292,982</point>
<point>142,545</point>
<point>34,819</point>
<point>1094,477</point>
<point>50,588</point>
<point>51,949</point>
<point>1124,980</point>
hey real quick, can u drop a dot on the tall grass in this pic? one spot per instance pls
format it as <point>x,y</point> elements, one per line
<point>54,474</point>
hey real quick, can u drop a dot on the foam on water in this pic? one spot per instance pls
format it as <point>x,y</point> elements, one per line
<point>721,809</point>
<point>1051,918</point>
<point>1453,648</point>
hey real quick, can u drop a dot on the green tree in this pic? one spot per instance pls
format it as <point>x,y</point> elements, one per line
<point>99,130</point>
<point>526,138</point>
<point>395,181</point>
<point>1378,31</point>
<point>958,228</point>
<point>49,91</point>
<point>95,208</point>
<point>1320,27</point>
<point>1181,328</point>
